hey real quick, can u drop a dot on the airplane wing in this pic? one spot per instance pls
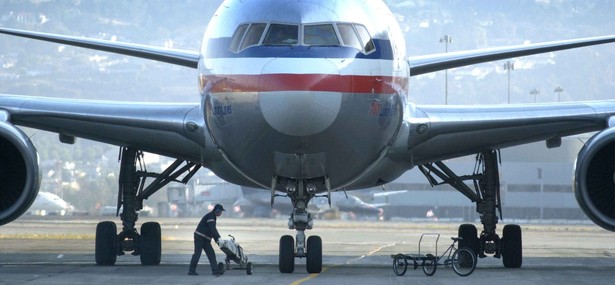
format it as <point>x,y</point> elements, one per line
<point>443,132</point>
<point>173,56</point>
<point>138,125</point>
<point>153,127</point>
<point>480,128</point>
<point>436,62</point>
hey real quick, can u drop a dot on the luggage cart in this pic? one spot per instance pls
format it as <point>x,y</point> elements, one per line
<point>234,253</point>
<point>462,260</point>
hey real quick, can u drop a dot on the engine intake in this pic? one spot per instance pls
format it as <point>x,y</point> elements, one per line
<point>594,179</point>
<point>19,173</point>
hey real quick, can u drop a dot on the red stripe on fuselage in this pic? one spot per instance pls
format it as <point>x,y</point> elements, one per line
<point>306,82</point>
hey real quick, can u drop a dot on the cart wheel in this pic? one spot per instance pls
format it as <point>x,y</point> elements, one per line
<point>220,267</point>
<point>249,268</point>
<point>464,261</point>
<point>430,265</point>
<point>400,265</point>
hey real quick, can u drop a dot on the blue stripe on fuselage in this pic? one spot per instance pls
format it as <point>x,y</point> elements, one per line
<point>219,48</point>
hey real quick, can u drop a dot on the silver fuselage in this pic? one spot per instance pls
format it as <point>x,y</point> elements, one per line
<point>302,111</point>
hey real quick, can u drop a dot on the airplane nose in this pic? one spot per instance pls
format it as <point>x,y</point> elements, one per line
<point>300,99</point>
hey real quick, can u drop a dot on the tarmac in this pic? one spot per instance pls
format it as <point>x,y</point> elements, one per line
<point>59,250</point>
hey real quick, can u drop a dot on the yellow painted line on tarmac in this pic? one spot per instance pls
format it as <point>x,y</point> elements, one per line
<point>311,276</point>
<point>324,269</point>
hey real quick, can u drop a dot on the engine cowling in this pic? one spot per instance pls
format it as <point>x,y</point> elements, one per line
<point>594,179</point>
<point>19,173</point>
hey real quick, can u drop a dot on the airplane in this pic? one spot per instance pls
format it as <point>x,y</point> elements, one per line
<point>254,202</point>
<point>354,207</point>
<point>302,99</point>
<point>47,203</point>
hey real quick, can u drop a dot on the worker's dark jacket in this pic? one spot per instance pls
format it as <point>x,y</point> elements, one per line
<point>207,227</point>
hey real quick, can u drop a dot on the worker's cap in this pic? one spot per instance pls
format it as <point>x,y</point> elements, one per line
<point>218,207</point>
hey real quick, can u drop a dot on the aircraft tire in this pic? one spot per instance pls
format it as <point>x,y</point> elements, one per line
<point>287,254</point>
<point>150,247</point>
<point>105,251</point>
<point>314,254</point>
<point>469,237</point>
<point>512,250</point>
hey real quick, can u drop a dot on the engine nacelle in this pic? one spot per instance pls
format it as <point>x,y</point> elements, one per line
<point>594,179</point>
<point>19,173</point>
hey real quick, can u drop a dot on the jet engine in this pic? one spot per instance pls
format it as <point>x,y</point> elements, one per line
<point>594,179</point>
<point>19,173</point>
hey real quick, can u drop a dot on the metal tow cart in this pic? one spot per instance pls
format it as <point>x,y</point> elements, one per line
<point>462,260</point>
<point>234,253</point>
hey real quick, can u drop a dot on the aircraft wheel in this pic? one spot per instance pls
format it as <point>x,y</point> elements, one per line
<point>287,254</point>
<point>314,254</point>
<point>512,250</point>
<point>150,243</point>
<point>469,237</point>
<point>105,250</point>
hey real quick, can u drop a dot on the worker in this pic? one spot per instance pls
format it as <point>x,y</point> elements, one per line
<point>204,233</point>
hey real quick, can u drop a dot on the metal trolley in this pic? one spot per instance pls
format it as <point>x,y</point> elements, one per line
<point>462,260</point>
<point>234,253</point>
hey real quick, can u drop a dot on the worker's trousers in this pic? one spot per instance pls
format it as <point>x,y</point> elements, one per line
<point>201,243</point>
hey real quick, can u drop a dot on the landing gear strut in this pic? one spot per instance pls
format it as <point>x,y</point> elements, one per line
<point>300,220</point>
<point>486,195</point>
<point>131,194</point>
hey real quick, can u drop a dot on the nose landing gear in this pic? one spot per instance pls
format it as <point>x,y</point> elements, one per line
<point>301,220</point>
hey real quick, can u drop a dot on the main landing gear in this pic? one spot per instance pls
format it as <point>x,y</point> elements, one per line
<point>486,195</point>
<point>147,245</point>
<point>300,220</point>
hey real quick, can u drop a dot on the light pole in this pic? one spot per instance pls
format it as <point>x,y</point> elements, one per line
<point>559,91</point>
<point>534,92</point>
<point>508,66</point>
<point>446,39</point>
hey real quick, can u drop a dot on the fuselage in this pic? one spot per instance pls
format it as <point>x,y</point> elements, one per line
<point>49,204</point>
<point>303,89</point>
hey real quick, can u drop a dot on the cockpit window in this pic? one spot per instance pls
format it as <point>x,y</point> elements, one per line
<point>368,44</point>
<point>253,36</point>
<point>322,34</point>
<point>319,35</point>
<point>237,36</point>
<point>279,34</point>
<point>349,37</point>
